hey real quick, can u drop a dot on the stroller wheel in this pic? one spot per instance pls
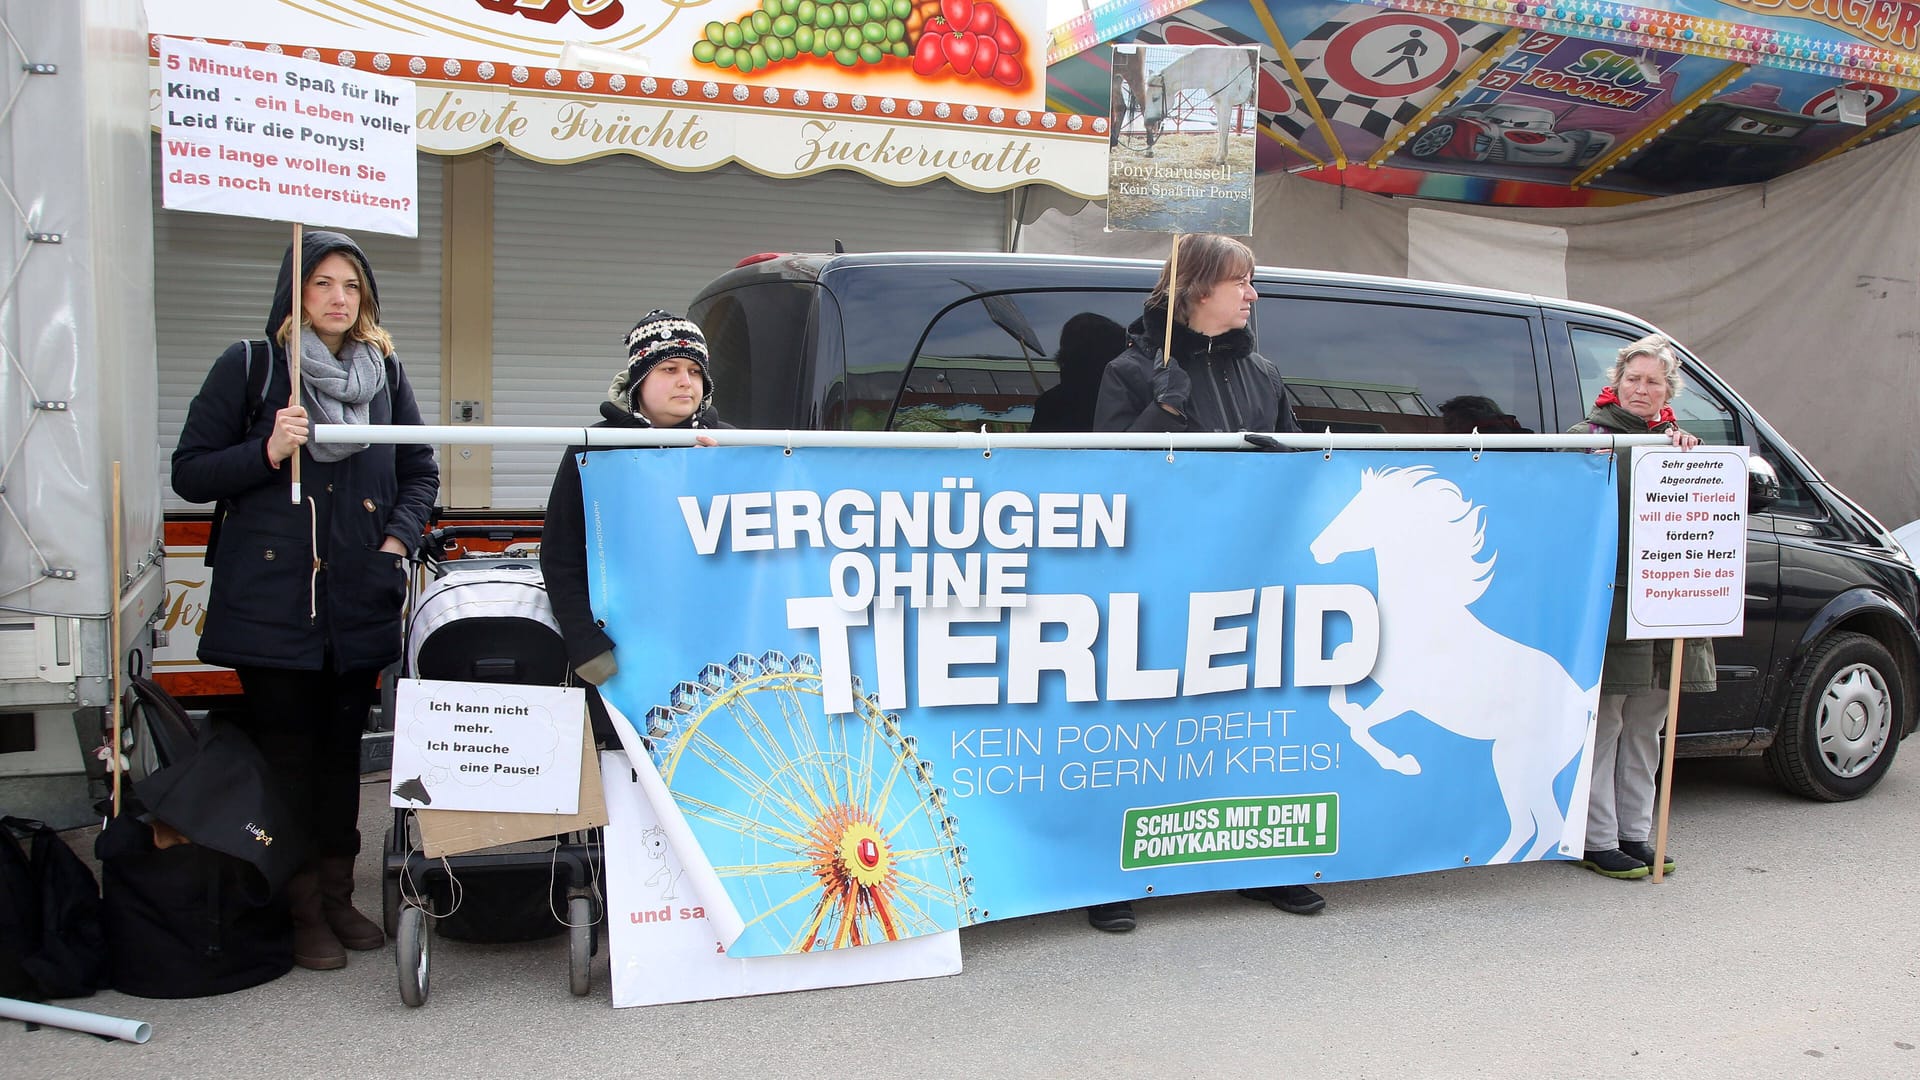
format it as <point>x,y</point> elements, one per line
<point>580,927</point>
<point>411,947</point>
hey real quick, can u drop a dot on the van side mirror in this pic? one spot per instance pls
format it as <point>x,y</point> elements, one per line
<point>1763,484</point>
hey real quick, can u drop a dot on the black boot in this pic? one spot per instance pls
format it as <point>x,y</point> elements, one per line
<point>1295,899</point>
<point>352,929</point>
<point>1114,918</point>
<point>314,945</point>
<point>1640,849</point>
<point>1614,863</point>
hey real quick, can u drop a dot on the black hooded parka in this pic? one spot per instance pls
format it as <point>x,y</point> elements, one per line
<point>262,567</point>
<point>563,538</point>
<point>1234,387</point>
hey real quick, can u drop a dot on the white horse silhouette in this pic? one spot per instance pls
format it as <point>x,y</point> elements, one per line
<point>1437,660</point>
<point>1224,73</point>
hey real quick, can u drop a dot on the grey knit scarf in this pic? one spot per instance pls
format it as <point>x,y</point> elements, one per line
<point>339,388</point>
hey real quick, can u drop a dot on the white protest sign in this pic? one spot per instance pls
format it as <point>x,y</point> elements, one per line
<point>1181,160</point>
<point>1687,566</point>
<point>664,948</point>
<point>254,134</point>
<point>487,746</point>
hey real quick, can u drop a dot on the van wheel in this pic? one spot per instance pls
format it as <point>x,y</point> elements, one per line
<point>1842,724</point>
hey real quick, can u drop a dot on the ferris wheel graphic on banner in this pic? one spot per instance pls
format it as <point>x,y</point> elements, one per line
<point>833,823</point>
<point>1393,55</point>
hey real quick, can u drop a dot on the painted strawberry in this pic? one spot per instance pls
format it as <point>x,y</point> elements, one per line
<point>1007,38</point>
<point>985,18</point>
<point>985,55</point>
<point>958,12</point>
<point>959,48</point>
<point>928,56</point>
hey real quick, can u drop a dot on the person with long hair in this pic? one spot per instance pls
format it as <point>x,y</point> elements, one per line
<point>1214,381</point>
<point>305,600</point>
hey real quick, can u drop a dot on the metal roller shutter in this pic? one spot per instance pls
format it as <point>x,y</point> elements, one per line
<point>582,251</point>
<point>213,281</point>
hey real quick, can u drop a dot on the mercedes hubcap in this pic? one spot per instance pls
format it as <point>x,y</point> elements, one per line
<point>1855,720</point>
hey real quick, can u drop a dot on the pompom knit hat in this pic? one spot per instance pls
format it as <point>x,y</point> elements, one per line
<point>660,335</point>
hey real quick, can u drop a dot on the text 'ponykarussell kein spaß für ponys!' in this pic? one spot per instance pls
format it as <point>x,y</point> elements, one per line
<point>936,576</point>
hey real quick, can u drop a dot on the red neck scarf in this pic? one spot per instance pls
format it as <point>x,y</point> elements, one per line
<point>1608,397</point>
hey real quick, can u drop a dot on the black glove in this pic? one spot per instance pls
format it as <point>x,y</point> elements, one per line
<point>1171,387</point>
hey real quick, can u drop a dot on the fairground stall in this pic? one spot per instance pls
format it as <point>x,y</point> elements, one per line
<point>581,161</point>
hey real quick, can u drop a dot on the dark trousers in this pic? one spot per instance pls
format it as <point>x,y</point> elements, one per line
<point>307,725</point>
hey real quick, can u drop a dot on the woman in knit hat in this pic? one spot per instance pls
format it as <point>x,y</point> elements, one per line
<point>665,384</point>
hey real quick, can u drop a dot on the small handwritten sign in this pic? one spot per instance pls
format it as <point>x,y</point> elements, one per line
<point>487,746</point>
<point>1687,567</point>
<point>257,135</point>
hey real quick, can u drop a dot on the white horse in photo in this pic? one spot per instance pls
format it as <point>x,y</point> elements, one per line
<point>1438,661</point>
<point>1225,74</point>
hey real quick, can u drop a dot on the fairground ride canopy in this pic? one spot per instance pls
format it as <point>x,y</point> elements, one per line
<point>1518,102</point>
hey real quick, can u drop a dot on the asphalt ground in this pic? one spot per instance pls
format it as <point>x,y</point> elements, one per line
<point>1787,944</point>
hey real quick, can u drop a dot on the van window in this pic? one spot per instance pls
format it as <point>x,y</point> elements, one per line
<point>1699,410</point>
<point>1401,368</point>
<point>1016,361</point>
<point>756,343</point>
<point>1796,499</point>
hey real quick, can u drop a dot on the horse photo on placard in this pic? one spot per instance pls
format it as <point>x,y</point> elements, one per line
<point>1181,138</point>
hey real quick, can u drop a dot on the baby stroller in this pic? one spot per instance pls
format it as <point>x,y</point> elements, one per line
<point>485,618</point>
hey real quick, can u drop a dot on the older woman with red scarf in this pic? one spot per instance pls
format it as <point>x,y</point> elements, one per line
<point>1644,380</point>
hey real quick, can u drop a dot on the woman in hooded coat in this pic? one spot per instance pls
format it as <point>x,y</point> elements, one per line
<point>305,599</point>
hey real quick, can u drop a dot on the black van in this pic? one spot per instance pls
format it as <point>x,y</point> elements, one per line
<point>1821,683</point>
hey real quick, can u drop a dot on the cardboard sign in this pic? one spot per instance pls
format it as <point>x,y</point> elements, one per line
<point>1687,566</point>
<point>277,137</point>
<point>487,746</point>
<point>663,947</point>
<point>455,832</point>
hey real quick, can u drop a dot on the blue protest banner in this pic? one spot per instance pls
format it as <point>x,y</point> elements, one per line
<point>895,692</point>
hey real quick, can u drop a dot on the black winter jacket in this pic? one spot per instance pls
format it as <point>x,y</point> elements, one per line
<point>563,542</point>
<point>258,611</point>
<point>1234,388</point>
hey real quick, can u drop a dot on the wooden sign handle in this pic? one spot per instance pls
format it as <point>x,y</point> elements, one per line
<point>1173,291</point>
<point>1666,762</point>
<point>293,346</point>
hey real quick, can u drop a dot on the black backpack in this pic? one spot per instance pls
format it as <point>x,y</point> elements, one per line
<point>259,373</point>
<point>206,916</point>
<point>51,941</point>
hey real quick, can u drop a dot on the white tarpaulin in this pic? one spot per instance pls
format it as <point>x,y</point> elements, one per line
<point>1803,292</point>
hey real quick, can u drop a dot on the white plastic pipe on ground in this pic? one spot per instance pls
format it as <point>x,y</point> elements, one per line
<point>113,1027</point>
